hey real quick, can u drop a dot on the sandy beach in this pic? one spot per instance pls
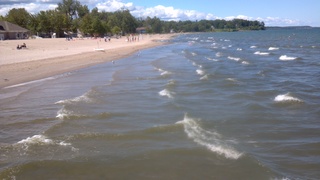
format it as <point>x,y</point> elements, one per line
<point>48,57</point>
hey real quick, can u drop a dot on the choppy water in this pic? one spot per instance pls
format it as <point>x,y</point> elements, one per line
<point>241,105</point>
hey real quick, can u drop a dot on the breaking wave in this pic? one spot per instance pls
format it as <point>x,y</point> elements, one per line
<point>234,58</point>
<point>205,77</point>
<point>262,53</point>
<point>166,93</point>
<point>211,140</point>
<point>40,140</point>
<point>287,58</point>
<point>200,71</point>
<point>273,48</point>
<point>64,113</point>
<point>164,73</point>
<point>286,98</point>
<point>88,97</point>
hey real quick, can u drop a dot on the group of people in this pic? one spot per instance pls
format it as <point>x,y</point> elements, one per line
<point>107,38</point>
<point>22,46</point>
<point>133,38</point>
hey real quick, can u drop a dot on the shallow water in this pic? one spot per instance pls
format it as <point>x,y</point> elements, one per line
<point>241,105</point>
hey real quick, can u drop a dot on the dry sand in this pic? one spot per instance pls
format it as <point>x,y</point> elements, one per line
<point>48,57</point>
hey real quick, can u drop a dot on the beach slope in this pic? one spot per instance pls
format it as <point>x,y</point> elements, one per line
<point>43,58</point>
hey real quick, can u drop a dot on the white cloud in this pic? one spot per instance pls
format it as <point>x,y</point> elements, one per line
<point>114,5</point>
<point>239,17</point>
<point>30,7</point>
<point>276,21</point>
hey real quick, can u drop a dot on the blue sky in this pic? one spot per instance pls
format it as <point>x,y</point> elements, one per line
<point>272,12</point>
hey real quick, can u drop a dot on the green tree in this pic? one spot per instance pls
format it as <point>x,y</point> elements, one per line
<point>44,25</point>
<point>19,16</point>
<point>69,7</point>
<point>97,26</point>
<point>82,10</point>
<point>116,30</point>
<point>86,24</point>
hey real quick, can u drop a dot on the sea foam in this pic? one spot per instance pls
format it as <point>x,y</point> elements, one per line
<point>205,77</point>
<point>63,113</point>
<point>262,53</point>
<point>40,140</point>
<point>36,139</point>
<point>286,98</point>
<point>273,48</point>
<point>234,58</point>
<point>213,141</point>
<point>287,58</point>
<point>218,54</point>
<point>83,98</point>
<point>166,93</point>
<point>200,72</point>
<point>163,72</point>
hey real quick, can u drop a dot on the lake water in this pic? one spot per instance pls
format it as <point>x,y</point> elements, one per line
<point>242,105</point>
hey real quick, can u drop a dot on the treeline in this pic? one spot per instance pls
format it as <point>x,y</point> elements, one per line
<point>155,25</point>
<point>71,16</point>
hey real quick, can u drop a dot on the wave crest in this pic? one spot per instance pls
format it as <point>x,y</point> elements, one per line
<point>167,93</point>
<point>262,53</point>
<point>287,58</point>
<point>40,140</point>
<point>287,98</point>
<point>234,58</point>
<point>211,140</point>
<point>273,48</point>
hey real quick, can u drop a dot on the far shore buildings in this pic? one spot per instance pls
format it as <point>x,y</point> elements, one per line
<point>12,31</point>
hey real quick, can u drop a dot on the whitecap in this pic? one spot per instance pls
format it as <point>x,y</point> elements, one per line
<point>239,49</point>
<point>286,98</point>
<point>164,73</point>
<point>213,141</point>
<point>252,47</point>
<point>211,59</point>
<point>63,113</point>
<point>218,54</point>
<point>205,77</point>
<point>200,71</point>
<point>40,140</point>
<point>166,93</point>
<point>287,58</point>
<point>245,62</point>
<point>194,54</point>
<point>273,48</point>
<point>262,53</point>
<point>82,98</point>
<point>36,139</point>
<point>234,58</point>
<point>232,79</point>
<point>171,82</point>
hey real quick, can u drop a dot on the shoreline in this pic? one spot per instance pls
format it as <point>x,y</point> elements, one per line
<point>41,60</point>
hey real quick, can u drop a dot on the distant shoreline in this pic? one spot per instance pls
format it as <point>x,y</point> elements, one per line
<point>291,27</point>
<point>49,57</point>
